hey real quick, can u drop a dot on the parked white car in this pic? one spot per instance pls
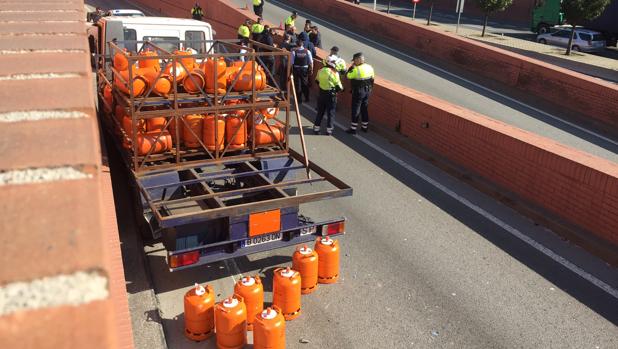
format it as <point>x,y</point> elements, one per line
<point>585,40</point>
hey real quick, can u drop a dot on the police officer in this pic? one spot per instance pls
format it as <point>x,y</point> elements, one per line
<point>339,62</point>
<point>289,22</point>
<point>257,29</point>
<point>243,31</point>
<point>361,77</point>
<point>258,7</point>
<point>196,12</point>
<point>329,82</point>
<point>302,64</point>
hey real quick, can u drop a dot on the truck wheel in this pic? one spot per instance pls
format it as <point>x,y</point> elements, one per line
<point>542,41</point>
<point>542,28</point>
<point>576,48</point>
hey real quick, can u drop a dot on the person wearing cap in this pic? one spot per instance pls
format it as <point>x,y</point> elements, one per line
<point>304,37</point>
<point>302,64</point>
<point>258,7</point>
<point>289,22</point>
<point>243,31</point>
<point>339,62</point>
<point>361,77</point>
<point>257,29</point>
<point>330,84</point>
<point>196,12</point>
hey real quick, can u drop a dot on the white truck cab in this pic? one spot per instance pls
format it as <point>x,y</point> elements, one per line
<point>166,32</point>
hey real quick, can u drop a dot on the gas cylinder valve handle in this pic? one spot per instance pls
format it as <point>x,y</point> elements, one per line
<point>199,289</point>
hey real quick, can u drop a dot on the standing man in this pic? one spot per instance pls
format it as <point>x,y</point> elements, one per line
<point>289,22</point>
<point>257,29</point>
<point>269,61</point>
<point>339,62</point>
<point>258,7</point>
<point>243,30</point>
<point>315,37</point>
<point>361,77</point>
<point>196,12</point>
<point>302,64</point>
<point>330,84</point>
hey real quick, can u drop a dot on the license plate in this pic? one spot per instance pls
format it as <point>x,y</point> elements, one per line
<point>261,239</point>
<point>308,230</point>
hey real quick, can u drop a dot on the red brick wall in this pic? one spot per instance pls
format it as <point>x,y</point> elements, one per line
<point>580,188</point>
<point>52,230</point>
<point>587,96</point>
<point>519,11</point>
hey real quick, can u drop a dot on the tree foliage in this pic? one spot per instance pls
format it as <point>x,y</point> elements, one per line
<point>578,11</point>
<point>489,6</point>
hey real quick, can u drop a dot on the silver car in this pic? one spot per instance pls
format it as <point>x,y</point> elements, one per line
<point>584,40</point>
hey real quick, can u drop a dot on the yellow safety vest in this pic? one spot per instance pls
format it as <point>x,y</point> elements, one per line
<point>289,21</point>
<point>257,2</point>
<point>243,31</point>
<point>361,72</point>
<point>257,28</point>
<point>328,79</point>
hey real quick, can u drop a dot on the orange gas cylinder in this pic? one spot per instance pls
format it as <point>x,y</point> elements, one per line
<point>237,139</point>
<point>194,81</point>
<point>305,260</point>
<point>269,329</point>
<point>139,83</point>
<point>147,141</point>
<point>155,124</point>
<point>220,80</point>
<point>208,136</point>
<point>199,313</point>
<point>264,136</point>
<point>120,60</point>
<point>231,323</point>
<point>107,96</point>
<point>151,62</point>
<point>120,113</point>
<point>240,113</point>
<point>172,129</point>
<point>269,113</point>
<point>286,292</point>
<point>127,125</point>
<point>181,72</point>
<point>162,84</point>
<point>252,291</point>
<point>328,260</point>
<point>245,82</point>
<point>195,123</point>
<point>188,62</point>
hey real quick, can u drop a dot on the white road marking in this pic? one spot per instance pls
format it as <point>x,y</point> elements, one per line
<point>362,38</point>
<point>513,231</point>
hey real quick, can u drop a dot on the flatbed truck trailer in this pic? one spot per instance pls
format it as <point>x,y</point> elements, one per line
<point>206,204</point>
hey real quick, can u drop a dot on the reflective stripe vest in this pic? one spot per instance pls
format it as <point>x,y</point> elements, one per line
<point>243,31</point>
<point>289,21</point>
<point>197,11</point>
<point>257,28</point>
<point>257,2</point>
<point>361,72</point>
<point>329,80</point>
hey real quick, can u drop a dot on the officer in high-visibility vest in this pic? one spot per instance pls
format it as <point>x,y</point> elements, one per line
<point>302,64</point>
<point>196,12</point>
<point>330,84</point>
<point>361,77</point>
<point>339,62</point>
<point>289,22</point>
<point>257,29</point>
<point>243,31</point>
<point>258,7</point>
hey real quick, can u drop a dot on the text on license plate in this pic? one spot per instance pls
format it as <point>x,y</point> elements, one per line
<point>261,239</point>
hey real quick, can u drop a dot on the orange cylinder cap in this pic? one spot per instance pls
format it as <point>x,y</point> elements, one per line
<point>268,314</point>
<point>287,273</point>
<point>327,241</point>
<point>230,302</point>
<point>247,281</point>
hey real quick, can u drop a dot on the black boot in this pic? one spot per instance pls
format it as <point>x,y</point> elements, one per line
<point>351,131</point>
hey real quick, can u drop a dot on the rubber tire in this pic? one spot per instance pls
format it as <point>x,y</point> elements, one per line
<point>542,28</point>
<point>543,41</point>
<point>576,48</point>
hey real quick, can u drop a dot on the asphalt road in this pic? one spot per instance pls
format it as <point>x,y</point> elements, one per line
<point>426,262</point>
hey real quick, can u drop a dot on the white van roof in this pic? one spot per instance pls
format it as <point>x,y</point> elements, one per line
<point>126,12</point>
<point>157,21</point>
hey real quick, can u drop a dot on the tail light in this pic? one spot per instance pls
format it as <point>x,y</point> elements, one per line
<point>334,228</point>
<point>182,259</point>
